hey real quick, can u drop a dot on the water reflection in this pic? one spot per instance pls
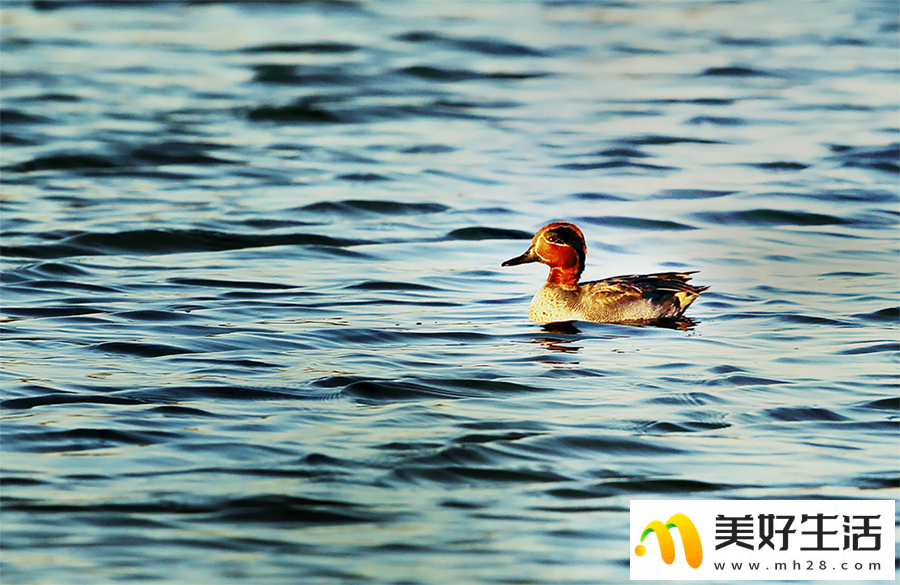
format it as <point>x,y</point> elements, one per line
<point>680,324</point>
<point>565,333</point>
<point>565,327</point>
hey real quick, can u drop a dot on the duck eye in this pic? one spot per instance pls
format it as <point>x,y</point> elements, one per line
<point>554,238</point>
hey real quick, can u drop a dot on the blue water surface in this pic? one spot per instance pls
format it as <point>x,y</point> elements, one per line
<point>254,324</point>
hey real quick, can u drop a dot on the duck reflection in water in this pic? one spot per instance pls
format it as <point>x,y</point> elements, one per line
<point>560,337</point>
<point>564,333</point>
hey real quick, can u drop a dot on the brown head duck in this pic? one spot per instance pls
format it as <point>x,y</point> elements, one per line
<point>645,298</point>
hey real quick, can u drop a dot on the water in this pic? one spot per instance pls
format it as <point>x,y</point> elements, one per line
<point>254,323</point>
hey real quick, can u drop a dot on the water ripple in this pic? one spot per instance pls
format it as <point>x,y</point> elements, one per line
<point>170,241</point>
<point>254,323</point>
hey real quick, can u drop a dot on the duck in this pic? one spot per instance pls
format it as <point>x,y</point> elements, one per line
<point>629,299</point>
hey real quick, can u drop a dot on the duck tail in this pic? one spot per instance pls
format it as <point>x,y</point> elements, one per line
<point>686,296</point>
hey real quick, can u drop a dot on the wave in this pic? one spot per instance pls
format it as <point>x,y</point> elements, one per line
<point>169,241</point>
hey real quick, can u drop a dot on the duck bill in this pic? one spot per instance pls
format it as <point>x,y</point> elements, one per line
<point>525,258</point>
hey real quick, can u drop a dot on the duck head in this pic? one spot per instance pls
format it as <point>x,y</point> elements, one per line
<point>560,246</point>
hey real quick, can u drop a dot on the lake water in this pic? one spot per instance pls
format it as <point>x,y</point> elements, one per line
<point>255,328</point>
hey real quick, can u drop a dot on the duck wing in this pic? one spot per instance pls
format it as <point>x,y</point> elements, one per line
<point>668,292</point>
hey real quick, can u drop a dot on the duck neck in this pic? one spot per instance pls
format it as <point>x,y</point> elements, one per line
<point>564,277</point>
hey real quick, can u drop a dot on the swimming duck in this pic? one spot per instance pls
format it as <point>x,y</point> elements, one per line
<point>643,298</point>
